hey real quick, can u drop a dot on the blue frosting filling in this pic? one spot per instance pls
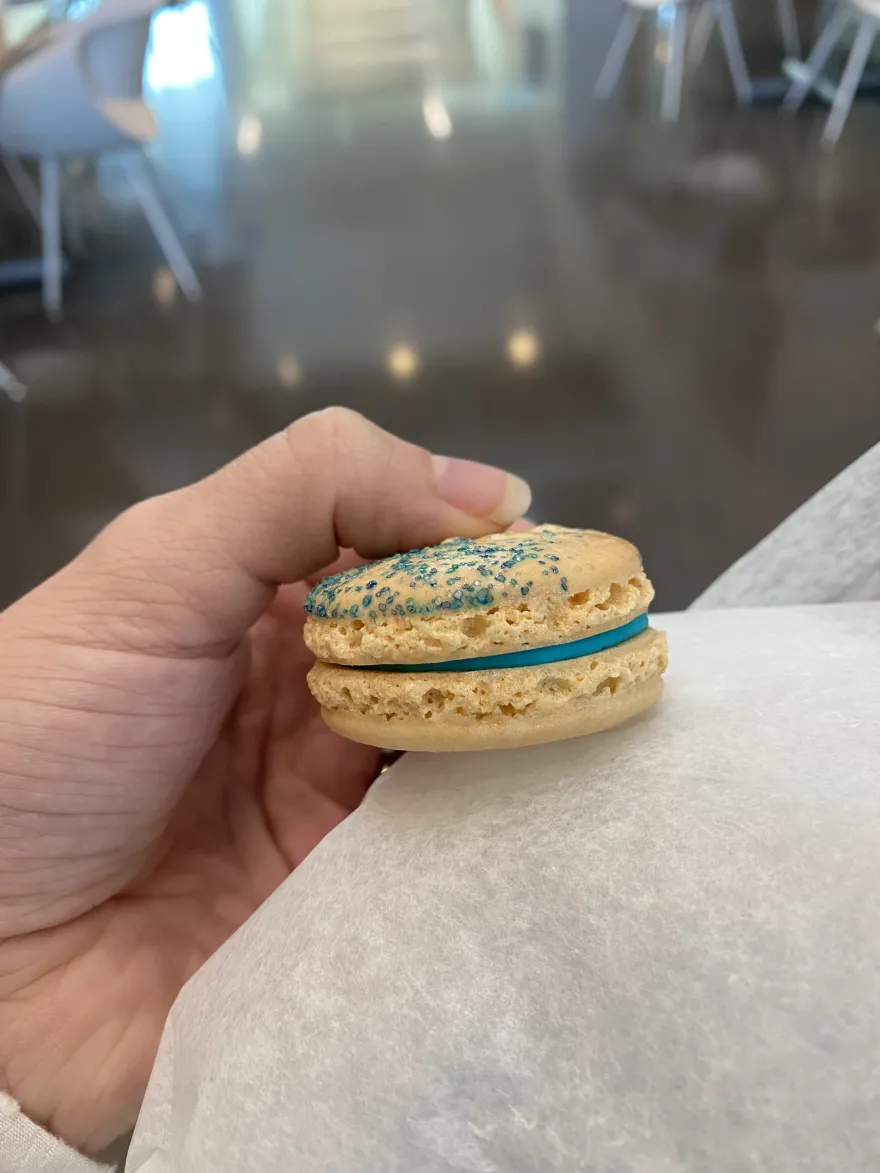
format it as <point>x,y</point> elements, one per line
<point>550,655</point>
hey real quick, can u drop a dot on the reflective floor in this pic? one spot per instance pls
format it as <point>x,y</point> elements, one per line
<point>418,210</point>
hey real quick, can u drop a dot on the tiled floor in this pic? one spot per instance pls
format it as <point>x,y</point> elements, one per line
<point>671,332</point>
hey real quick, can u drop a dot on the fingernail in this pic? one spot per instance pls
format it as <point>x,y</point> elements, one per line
<point>521,525</point>
<point>480,490</point>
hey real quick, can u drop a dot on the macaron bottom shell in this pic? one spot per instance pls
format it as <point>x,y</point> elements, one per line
<point>449,711</point>
<point>496,732</point>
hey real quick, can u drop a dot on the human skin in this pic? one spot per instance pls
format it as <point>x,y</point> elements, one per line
<point>163,766</point>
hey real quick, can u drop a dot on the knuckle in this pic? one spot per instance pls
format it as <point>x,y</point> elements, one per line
<point>329,433</point>
<point>138,523</point>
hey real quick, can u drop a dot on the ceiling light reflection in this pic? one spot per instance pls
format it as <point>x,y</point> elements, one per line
<point>164,286</point>
<point>289,372</point>
<point>436,116</point>
<point>250,135</point>
<point>403,362</point>
<point>523,348</point>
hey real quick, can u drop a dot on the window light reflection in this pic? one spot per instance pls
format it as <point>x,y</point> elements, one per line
<point>181,52</point>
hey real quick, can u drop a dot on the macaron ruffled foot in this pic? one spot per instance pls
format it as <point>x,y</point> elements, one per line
<point>509,640</point>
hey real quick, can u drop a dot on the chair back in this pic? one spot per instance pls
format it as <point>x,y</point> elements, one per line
<point>112,58</point>
<point>81,93</point>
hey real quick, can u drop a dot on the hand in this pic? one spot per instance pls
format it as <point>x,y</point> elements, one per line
<point>163,767</point>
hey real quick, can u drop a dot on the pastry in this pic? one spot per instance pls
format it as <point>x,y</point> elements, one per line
<point>509,640</point>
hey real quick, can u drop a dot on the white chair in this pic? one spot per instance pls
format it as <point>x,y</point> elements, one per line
<point>82,94</point>
<point>719,12</point>
<point>865,15</point>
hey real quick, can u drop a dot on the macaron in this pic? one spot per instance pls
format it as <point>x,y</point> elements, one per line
<point>504,641</point>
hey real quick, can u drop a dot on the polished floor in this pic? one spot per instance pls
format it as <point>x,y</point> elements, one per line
<point>418,210</point>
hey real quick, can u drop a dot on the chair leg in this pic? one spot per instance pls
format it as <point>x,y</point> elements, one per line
<point>788,26</point>
<point>617,54</point>
<point>29,194</point>
<point>828,38</point>
<point>852,75</point>
<point>8,383</point>
<point>162,228</point>
<point>670,102</point>
<point>823,14</point>
<point>53,261</point>
<point>24,185</point>
<point>14,468</point>
<point>736,61</point>
<point>704,22</point>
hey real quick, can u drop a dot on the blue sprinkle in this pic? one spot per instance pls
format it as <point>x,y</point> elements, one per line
<point>563,583</point>
<point>425,570</point>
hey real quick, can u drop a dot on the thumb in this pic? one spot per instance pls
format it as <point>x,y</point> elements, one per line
<point>188,573</point>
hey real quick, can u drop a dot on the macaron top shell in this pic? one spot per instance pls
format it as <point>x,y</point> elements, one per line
<point>477,597</point>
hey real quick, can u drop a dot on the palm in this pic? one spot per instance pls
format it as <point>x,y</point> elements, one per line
<point>274,782</point>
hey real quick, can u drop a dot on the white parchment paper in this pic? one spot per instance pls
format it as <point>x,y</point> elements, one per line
<point>656,949</point>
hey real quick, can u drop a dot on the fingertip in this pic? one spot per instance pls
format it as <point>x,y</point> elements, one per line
<point>521,525</point>
<point>481,490</point>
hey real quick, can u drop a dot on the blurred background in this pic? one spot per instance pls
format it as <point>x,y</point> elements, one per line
<point>658,302</point>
